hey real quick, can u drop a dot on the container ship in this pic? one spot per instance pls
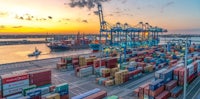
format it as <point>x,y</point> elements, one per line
<point>79,42</point>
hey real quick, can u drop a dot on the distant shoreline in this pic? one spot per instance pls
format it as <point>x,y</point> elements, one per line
<point>5,43</point>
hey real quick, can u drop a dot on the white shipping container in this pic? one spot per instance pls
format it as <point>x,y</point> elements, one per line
<point>15,96</point>
<point>45,90</point>
<point>198,67</point>
<point>15,84</point>
<point>157,73</point>
<point>191,69</point>
<point>13,90</point>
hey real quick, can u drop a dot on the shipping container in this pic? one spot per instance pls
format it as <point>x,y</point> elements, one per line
<point>176,92</point>
<point>167,75</point>
<point>62,88</point>
<point>9,78</point>
<point>86,94</point>
<point>156,84</point>
<point>17,96</point>
<point>141,88</point>
<point>157,73</point>
<point>53,96</point>
<point>156,92</point>
<point>99,95</point>
<point>163,95</point>
<point>25,89</point>
<point>170,85</point>
<point>13,91</point>
<point>136,92</point>
<point>15,84</point>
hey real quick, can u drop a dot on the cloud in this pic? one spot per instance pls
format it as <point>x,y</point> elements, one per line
<point>3,14</point>
<point>17,26</point>
<point>50,17</point>
<point>124,1</point>
<point>29,17</point>
<point>166,5</point>
<point>96,12</point>
<point>85,3</point>
<point>84,21</point>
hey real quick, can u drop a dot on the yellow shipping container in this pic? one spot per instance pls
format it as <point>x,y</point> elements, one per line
<point>105,70</point>
<point>53,96</point>
<point>109,83</point>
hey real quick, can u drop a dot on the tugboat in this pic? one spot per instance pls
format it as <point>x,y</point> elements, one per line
<point>35,53</point>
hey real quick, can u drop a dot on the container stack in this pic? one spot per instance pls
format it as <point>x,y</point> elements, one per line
<point>97,66</point>
<point>69,64</point>
<point>89,61</point>
<point>111,63</point>
<point>83,72</point>
<point>40,77</point>
<point>119,76</point>
<point>63,90</point>
<point>13,83</point>
<point>105,72</point>
<point>169,82</point>
<point>61,65</point>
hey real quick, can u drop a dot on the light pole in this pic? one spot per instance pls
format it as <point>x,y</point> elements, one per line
<point>185,74</point>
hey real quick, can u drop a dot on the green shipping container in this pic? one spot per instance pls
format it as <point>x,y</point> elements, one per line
<point>62,87</point>
<point>112,97</point>
<point>24,90</point>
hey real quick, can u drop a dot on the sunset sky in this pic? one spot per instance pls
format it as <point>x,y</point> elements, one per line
<point>63,16</point>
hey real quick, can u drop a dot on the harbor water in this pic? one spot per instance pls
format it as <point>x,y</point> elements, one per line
<point>18,53</point>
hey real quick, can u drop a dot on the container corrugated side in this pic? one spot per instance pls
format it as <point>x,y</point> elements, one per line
<point>15,84</point>
<point>13,90</point>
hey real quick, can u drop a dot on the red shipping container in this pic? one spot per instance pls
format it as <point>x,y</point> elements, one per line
<point>136,92</point>
<point>176,71</point>
<point>64,96</point>
<point>9,78</point>
<point>156,92</point>
<point>111,66</point>
<point>181,72</point>
<point>163,95</point>
<point>141,88</point>
<point>99,95</point>
<point>146,90</point>
<point>89,63</point>
<point>172,84</point>
<point>126,78</point>
<point>36,97</point>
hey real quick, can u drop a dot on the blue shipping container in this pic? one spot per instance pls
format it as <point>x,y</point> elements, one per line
<point>167,75</point>
<point>81,96</point>
<point>156,84</point>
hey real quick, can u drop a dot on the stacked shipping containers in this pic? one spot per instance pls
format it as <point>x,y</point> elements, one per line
<point>169,81</point>
<point>13,83</point>
<point>40,77</point>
